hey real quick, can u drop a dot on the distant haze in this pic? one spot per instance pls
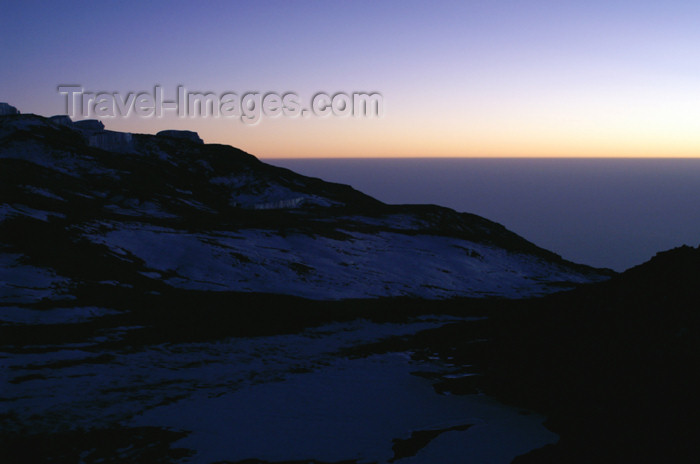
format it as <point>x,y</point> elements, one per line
<point>613,213</point>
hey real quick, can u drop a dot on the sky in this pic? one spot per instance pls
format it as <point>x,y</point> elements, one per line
<point>457,79</point>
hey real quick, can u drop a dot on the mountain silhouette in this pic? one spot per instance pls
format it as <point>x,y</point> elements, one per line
<point>80,204</point>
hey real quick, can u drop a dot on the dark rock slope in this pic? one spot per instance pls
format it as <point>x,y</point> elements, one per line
<point>613,365</point>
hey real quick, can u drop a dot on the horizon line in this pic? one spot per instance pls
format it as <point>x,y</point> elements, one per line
<point>516,157</point>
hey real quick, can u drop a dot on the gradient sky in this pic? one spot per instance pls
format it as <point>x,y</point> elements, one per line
<point>496,78</point>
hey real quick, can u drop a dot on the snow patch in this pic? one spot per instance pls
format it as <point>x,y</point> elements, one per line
<point>318,267</point>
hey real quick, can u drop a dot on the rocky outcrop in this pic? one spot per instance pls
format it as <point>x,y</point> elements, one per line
<point>121,142</point>
<point>181,134</point>
<point>6,109</point>
<point>61,120</point>
<point>96,136</point>
<point>89,126</point>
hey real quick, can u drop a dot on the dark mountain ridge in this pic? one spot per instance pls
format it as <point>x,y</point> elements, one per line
<point>612,364</point>
<point>212,217</point>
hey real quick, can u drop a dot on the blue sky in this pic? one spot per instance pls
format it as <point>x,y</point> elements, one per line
<point>501,78</point>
